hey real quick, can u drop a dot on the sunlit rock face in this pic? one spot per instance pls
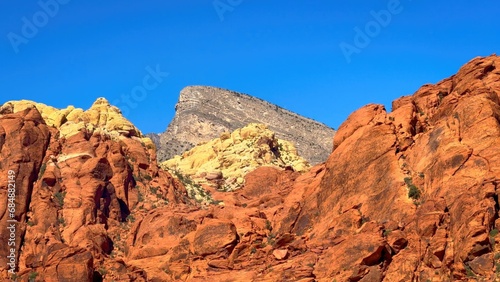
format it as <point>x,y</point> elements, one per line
<point>405,195</point>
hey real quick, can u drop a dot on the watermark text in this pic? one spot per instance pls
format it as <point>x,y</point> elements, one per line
<point>30,27</point>
<point>139,93</point>
<point>11,222</point>
<point>363,37</point>
<point>223,6</point>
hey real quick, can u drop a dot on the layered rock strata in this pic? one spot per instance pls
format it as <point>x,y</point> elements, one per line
<point>203,113</point>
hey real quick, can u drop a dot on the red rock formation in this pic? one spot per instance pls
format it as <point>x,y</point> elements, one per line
<point>74,196</point>
<point>410,195</point>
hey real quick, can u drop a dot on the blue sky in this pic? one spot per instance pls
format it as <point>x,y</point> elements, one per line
<point>70,52</point>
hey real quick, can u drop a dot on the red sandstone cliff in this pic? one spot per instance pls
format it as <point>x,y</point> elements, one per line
<point>407,195</point>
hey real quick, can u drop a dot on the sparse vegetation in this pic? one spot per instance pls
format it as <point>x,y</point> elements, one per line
<point>280,147</point>
<point>494,232</point>
<point>30,223</point>
<point>195,191</point>
<point>270,239</point>
<point>386,232</point>
<point>268,225</point>
<point>42,170</point>
<point>413,191</point>
<point>441,95</point>
<point>130,218</point>
<point>32,276</point>
<point>153,189</point>
<point>469,272</point>
<point>102,271</point>
<point>61,221</point>
<point>364,219</point>
<point>59,196</point>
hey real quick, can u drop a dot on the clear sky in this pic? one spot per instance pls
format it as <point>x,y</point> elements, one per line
<point>321,59</point>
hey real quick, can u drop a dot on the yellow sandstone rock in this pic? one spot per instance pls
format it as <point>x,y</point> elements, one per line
<point>235,154</point>
<point>101,116</point>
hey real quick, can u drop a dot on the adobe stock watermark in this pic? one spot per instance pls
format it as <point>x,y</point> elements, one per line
<point>363,37</point>
<point>11,222</point>
<point>223,6</point>
<point>31,27</point>
<point>139,93</point>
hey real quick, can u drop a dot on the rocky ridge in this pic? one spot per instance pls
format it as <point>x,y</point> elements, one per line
<point>417,201</point>
<point>203,113</point>
<point>101,116</point>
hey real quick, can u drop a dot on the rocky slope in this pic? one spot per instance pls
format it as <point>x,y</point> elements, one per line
<point>407,195</point>
<point>203,113</point>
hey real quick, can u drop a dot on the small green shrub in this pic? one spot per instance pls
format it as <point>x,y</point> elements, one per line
<point>413,191</point>
<point>469,271</point>
<point>59,196</point>
<point>270,239</point>
<point>494,232</point>
<point>32,276</point>
<point>364,219</point>
<point>130,218</point>
<point>42,170</point>
<point>387,232</point>
<point>268,225</point>
<point>153,189</point>
<point>61,221</point>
